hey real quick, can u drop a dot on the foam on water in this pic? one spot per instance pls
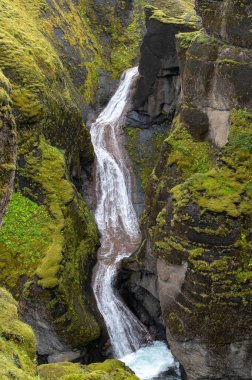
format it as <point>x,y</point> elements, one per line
<point>150,361</point>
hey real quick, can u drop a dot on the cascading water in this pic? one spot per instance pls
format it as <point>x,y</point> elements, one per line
<point>120,235</point>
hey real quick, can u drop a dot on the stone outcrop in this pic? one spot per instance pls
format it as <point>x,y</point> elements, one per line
<point>159,85</point>
<point>224,83</point>
<point>195,256</point>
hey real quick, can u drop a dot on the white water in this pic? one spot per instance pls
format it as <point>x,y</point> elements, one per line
<point>120,235</point>
<point>148,362</point>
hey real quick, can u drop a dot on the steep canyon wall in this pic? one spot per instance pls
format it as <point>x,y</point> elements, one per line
<point>195,258</point>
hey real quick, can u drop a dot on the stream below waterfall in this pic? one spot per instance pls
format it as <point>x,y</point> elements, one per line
<point>120,237</point>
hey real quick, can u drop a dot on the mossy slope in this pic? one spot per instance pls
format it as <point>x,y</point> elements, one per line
<point>56,241</point>
<point>8,144</point>
<point>42,237</point>
<point>17,342</point>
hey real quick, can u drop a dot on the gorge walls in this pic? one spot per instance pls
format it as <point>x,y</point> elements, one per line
<point>191,120</point>
<point>195,255</point>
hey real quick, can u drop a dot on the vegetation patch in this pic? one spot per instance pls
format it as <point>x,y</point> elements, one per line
<point>225,188</point>
<point>17,342</point>
<point>109,370</point>
<point>175,12</point>
<point>24,236</point>
<point>188,155</point>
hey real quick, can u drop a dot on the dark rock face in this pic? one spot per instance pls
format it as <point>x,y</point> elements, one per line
<point>215,78</point>
<point>196,251</point>
<point>159,85</point>
<point>227,19</point>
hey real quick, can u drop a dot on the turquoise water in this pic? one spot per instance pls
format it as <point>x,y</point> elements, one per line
<point>153,362</point>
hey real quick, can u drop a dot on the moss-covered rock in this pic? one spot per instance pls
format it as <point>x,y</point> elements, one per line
<point>110,369</point>
<point>67,258</point>
<point>17,342</point>
<point>228,19</point>
<point>8,144</point>
<point>207,223</point>
<point>177,12</point>
<point>48,233</point>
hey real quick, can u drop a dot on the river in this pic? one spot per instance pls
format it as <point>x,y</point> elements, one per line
<point>120,237</point>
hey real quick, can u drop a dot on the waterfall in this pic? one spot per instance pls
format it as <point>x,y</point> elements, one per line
<point>120,235</point>
<point>117,222</point>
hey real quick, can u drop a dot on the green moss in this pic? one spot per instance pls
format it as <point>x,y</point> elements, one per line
<point>185,39</point>
<point>174,8</point>
<point>36,61</point>
<point>230,61</point>
<point>125,41</point>
<point>68,257</point>
<point>240,137</point>
<point>109,370</point>
<point>122,25</point>
<point>17,342</point>
<point>143,154</point>
<point>188,155</point>
<point>59,239</point>
<point>107,366</point>
<point>225,189</point>
<point>24,236</point>
<point>8,143</point>
<point>196,252</point>
<point>58,370</point>
<point>48,171</point>
<point>176,12</point>
<point>81,242</point>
